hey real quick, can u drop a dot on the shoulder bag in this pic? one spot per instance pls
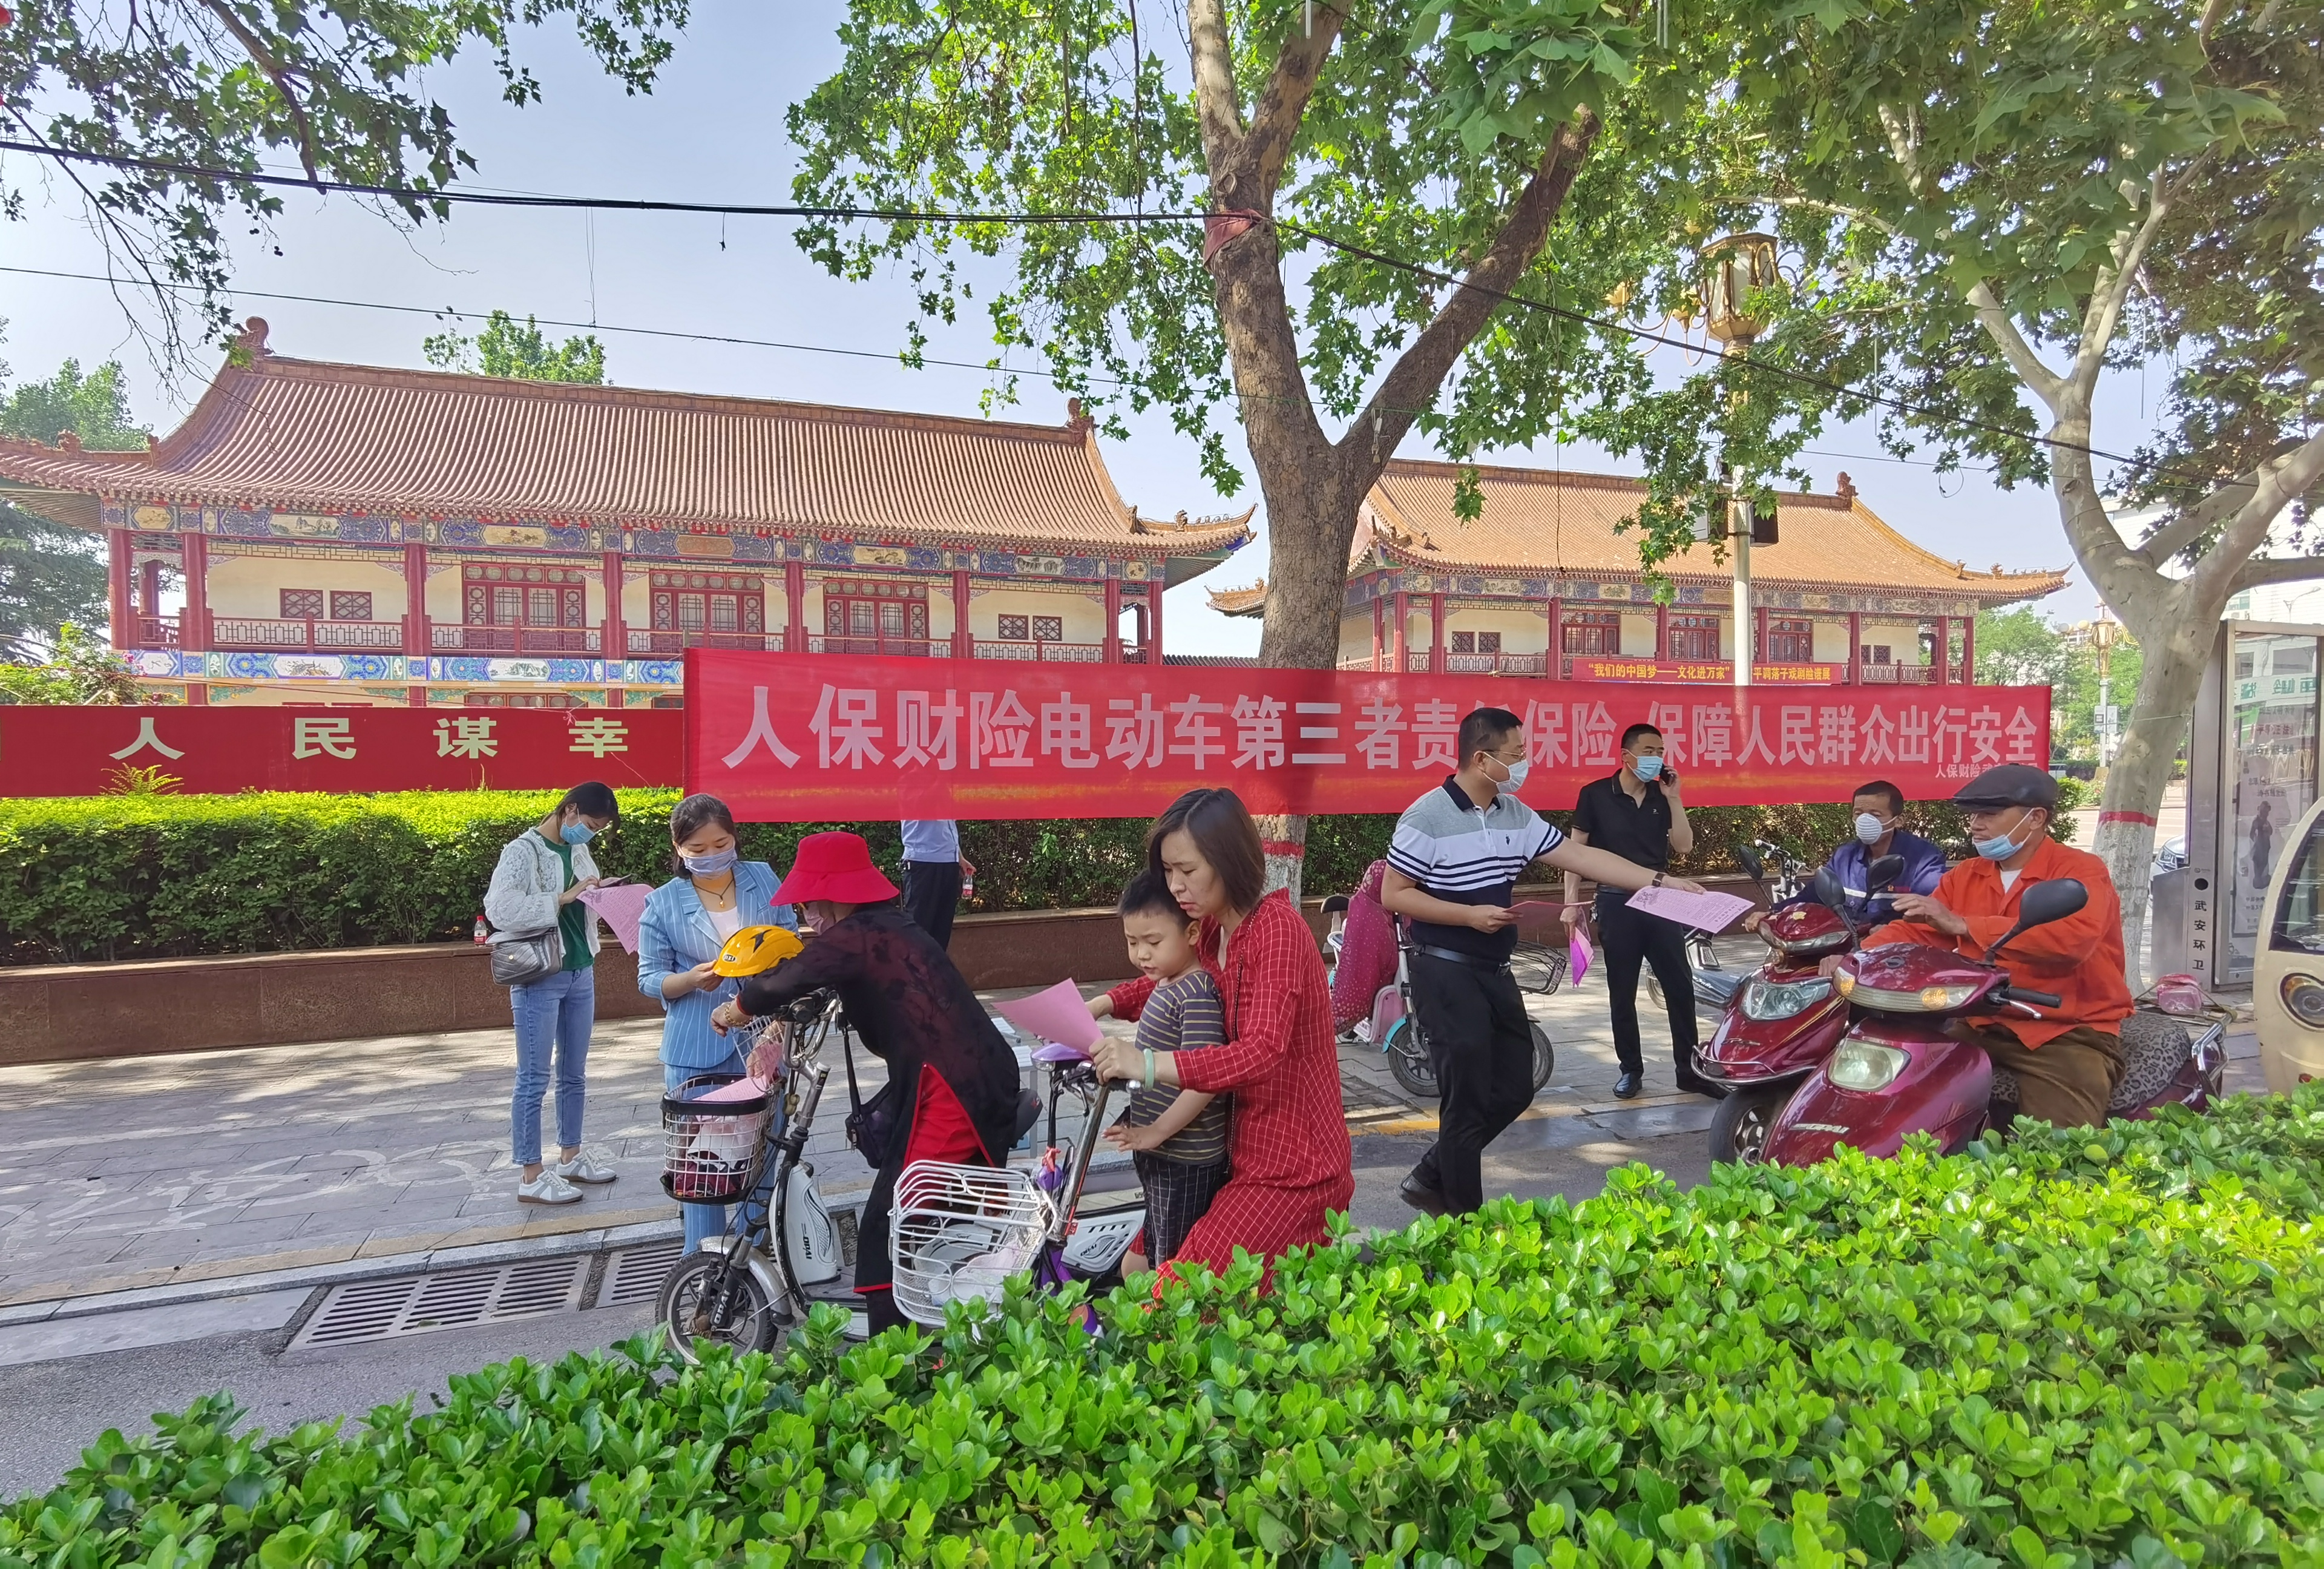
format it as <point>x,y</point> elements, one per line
<point>521,960</point>
<point>871,1124</point>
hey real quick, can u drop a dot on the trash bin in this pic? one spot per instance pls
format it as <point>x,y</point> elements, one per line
<point>2166,916</point>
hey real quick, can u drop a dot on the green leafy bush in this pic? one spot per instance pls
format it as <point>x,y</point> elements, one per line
<point>148,875</point>
<point>2082,1350</point>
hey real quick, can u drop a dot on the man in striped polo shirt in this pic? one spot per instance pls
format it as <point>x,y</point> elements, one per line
<point>1451,868</point>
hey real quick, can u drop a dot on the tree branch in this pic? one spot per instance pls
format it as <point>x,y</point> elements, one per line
<point>1218,104</point>
<point>276,72</point>
<point>2104,313</point>
<point>1411,384</point>
<point>1809,204</point>
<point>1283,101</point>
<point>2288,569</point>
<point>2275,483</point>
<point>2196,520</point>
<point>2044,383</point>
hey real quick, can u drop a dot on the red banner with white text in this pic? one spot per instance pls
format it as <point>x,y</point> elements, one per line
<point>84,751</point>
<point>807,737</point>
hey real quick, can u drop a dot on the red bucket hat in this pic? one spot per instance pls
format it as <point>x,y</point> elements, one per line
<point>835,866</point>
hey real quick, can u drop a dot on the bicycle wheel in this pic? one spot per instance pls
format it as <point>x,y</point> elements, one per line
<point>1408,1059</point>
<point>689,1298</point>
<point>1544,1058</point>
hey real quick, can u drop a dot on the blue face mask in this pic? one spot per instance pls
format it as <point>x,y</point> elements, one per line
<point>1649,767</point>
<point>711,865</point>
<point>2000,847</point>
<point>578,832</point>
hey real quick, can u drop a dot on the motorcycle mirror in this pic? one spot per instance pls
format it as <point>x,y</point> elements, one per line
<point>2043,903</point>
<point>1885,871</point>
<point>1831,893</point>
<point>1750,859</point>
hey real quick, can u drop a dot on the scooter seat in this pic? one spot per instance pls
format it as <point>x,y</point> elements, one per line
<point>1029,1112</point>
<point>2153,1049</point>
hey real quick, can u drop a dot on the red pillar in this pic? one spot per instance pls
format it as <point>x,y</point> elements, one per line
<point>963,645</point>
<point>1379,631</point>
<point>1401,631</point>
<point>120,614</point>
<point>1553,662</point>
<point>1662,632</point>
<point>1855,648</point>
<point>795,607</point>
<point>149,588</point>
<point>1154,587</point>
<point>615,637</point>
<point>1113,621</point>
<point>194,620</point>
<point>1437,634</point>
<point>418,644</point>
<point>1969,650</point>
<point>1759,637</point>
<point>1945,650</point>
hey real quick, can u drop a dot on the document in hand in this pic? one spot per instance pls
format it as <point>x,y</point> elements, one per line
<point>1705,911</point>
<point>1057,1014</point>
<point>623,906</point>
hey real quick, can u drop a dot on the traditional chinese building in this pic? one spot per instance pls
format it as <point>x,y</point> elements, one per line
<point>352,534</point>
<point>1842,598</point>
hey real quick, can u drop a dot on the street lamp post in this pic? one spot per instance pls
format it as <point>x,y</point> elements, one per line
<point>1735,266</point>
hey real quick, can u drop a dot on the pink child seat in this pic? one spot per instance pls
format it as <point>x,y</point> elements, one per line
<point>1366,951</point>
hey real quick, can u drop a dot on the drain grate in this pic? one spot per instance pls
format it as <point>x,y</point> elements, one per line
<point>369,1310</point>
<point>636,1274</point>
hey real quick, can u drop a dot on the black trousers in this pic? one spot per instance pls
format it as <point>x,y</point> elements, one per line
<point>931,896</point>
<point>1481,1044</point>
<point>1626,937</point>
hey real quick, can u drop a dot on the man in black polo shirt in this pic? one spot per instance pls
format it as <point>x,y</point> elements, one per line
<point>1451,870</point>
<point>1639,815</point>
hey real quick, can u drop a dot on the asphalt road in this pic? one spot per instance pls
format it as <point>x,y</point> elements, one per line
<point>59,1405</point>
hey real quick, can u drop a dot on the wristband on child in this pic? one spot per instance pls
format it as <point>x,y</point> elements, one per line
<point>1149,1065</point>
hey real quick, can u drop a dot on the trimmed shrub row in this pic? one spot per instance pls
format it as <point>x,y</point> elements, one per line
<point>2082,1350</point>
<point>162,876</point>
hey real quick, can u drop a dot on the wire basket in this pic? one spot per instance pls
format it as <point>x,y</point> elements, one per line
<point>960,1233</point>
<point>711,1152</point>
<point>1537,966</point>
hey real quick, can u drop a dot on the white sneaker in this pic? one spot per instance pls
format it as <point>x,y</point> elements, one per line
<point>548,1188</point>
<point>581,1168</point>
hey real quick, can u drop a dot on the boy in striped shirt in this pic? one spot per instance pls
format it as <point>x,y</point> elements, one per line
<point>1177,1138</point>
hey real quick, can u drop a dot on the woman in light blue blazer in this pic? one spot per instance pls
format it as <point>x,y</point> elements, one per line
<point>688,919</point>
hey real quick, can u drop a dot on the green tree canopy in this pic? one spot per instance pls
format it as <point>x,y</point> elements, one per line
<point>523,353</point>
<point>52,575</point>
<point>223,84</point>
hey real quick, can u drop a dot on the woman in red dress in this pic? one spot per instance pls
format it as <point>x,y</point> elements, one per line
<point>1288,1148</point>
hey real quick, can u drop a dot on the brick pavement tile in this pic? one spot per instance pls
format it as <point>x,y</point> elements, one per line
<point>155,1249</point>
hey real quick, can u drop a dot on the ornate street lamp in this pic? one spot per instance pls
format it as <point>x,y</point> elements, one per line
<point>1735,266</point>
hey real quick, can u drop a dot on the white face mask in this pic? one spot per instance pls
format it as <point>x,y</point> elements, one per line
<point>1867,828</point>
<point>1516,781</point>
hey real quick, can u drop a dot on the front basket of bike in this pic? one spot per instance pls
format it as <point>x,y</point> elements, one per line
<point>960,1233</point>
<point>712,1149</point>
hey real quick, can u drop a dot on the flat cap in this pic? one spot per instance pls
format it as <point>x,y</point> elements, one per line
<point>2012,784</point>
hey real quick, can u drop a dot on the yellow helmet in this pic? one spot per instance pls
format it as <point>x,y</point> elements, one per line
<point>756,949</point>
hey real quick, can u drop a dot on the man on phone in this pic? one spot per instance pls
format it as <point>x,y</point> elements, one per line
<point>1639,815</point>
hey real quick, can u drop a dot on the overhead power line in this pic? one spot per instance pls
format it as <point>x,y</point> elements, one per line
<point>913,215</point>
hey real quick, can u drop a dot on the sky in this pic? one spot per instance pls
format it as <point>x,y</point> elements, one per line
<point>712,131</point>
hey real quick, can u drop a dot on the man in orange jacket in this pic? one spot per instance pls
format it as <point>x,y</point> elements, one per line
<point>2067,1061</point>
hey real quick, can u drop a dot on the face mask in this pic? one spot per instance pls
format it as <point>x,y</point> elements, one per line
<point>1867,828</point>
<point>1649,767</point>
<point>711,865</point>
<point>2000,847</point>
<point>578,832</point>
<point>1517,772</point>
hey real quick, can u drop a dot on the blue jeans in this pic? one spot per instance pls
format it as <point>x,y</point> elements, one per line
<point>553,1014</point>
<point>703,1221</point>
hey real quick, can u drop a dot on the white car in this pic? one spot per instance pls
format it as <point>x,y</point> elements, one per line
<point>2288,978</point>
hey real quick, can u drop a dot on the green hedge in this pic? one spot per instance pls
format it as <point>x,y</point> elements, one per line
<point>163,876</point>
<point>2085,1350</point>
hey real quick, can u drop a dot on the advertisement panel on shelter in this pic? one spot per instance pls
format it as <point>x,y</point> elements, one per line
<point>785,737</point>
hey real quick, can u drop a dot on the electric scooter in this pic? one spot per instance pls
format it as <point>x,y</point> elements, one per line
<point>1787,1017</point>
<point>1896,1071</point>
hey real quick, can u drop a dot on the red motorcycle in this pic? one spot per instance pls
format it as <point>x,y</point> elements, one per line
<point>1785,1018</point>
<point>1896,1071</point>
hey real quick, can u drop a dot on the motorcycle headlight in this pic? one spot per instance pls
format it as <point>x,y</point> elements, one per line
<point>2304,996</point>
<point>1860,1064</point>
<point>1781,1000</point>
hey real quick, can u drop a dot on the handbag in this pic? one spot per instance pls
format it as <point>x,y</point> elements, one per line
<point>521,960</point>
<point>535,956</point>
<point>870,1125</point>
